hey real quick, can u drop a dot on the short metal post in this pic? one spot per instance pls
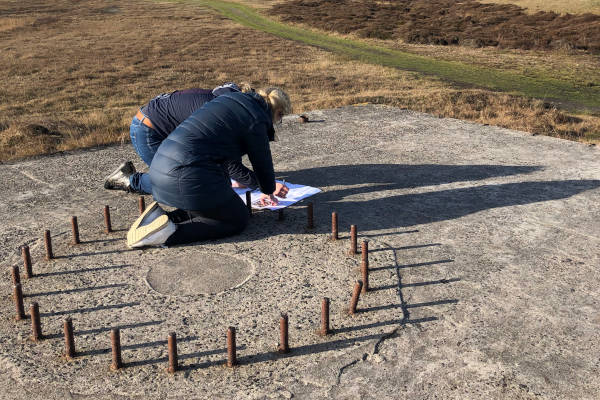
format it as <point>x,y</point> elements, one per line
<point>355,296</point>
<point>231,357</point>
<point>48,245</point>
<point>284,346</point>
<point>352,240</point>
<point>141,204</point>
<point>309,216</point>
<point>16,278</point>
<point>249,202</point>
<point>75,230</point>
<point>172,343</point>
<point>26,261</point>
<point>107,225</point>
<point>364,266</point>
<point>325,316</point>
<point>69,338</point>
<point>115,338</point>
<point>334,226</point>
<point>36,325</point>
<point>18,297</point>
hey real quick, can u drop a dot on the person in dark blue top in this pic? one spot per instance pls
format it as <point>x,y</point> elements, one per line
<point>187,171</point>
<point>155,121</point>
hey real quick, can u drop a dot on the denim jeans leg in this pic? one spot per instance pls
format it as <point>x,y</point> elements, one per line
<point>140,183</point>
<point>145,142</point>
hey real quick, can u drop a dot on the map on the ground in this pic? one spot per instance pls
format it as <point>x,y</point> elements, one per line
<point>296,193</point>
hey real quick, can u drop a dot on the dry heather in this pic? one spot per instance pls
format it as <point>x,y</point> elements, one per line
<point>558,6</point>
<point>73,76</point>
<point>448,22</point>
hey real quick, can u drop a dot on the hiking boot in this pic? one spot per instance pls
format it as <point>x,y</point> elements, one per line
<point>119,179</point>
<point>152,228</point>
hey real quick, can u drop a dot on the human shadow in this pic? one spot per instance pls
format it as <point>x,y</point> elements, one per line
<point>364,195</point>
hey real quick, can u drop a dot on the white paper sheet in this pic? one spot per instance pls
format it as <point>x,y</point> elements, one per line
<point>296,193</point>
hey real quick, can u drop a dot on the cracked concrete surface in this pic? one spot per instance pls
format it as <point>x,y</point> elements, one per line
<point>483,257</point>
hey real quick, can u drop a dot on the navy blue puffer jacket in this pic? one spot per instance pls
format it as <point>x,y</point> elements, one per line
<point>187,170</point>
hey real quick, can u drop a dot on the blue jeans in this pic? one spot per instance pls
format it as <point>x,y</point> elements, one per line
<point>145,141</point>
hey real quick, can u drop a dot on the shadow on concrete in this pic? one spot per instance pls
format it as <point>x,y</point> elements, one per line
<point>383,323</point>
<point>89,309</point>
<point>144,345</point>
<point>88,253</point>
<point>422,264</point>
<point>77,290</point>
<point>398,176</point>
<point>82,271</point>
<point>417,246</point>
<point>416,284</point>
<point>369,204</point>
<point>105,329</point>
<point>98,241</point>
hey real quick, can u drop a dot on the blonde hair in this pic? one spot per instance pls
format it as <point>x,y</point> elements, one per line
<point>246,87</point>
<point>277,99</point>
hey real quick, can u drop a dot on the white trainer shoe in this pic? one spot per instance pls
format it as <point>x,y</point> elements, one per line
<point>152,228</point>
<point>119,178</point>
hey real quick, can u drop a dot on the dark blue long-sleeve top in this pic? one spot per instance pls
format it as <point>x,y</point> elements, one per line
<point>188,170</point>
<point>168,110</point>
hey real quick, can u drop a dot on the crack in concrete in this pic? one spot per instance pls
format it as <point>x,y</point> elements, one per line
<point>392,334</point>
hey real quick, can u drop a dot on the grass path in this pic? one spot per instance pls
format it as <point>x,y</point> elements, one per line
<point>573,96</point>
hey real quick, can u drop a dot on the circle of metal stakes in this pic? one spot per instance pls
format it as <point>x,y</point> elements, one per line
<point>173,366</point>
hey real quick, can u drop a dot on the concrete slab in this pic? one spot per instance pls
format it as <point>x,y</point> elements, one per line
<point>484,269</point>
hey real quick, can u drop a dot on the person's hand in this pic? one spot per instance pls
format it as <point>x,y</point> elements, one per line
<point>236,184</point>
<point>267,200</point>
<point>281,190</point>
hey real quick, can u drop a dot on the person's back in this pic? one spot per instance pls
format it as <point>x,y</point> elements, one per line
<point>168,110</point>
<point>187,170</point>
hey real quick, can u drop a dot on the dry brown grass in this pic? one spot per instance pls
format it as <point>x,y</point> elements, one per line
<point>75,75</point>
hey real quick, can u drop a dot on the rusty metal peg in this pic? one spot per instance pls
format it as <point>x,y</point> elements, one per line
<point>364,266</point>
<point>353,240</point>
<point>16,278</point>
<point>334,226</point>
<point>249,202</point>
<point>18,297</point>
<point>310,224</point>
<point>75,230</point>
<point>141,204</point>
<point>107,224</point>
<point>115,339</point>
<point>284,346</point>
<point>36,325</point>
<point>172,344</point>
<point>69,338</point>
<point>355,295</point>
<point>231,356</point>
<point>26,261</point>
<point>48,245</point>
<point>325,317</point>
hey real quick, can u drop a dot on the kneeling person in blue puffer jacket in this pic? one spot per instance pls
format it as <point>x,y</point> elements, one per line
<point>187,170</point>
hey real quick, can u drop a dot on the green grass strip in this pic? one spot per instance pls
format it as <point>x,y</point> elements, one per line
<point>546,88</point>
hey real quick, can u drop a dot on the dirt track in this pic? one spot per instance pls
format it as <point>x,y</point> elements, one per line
<point>448,22</point>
